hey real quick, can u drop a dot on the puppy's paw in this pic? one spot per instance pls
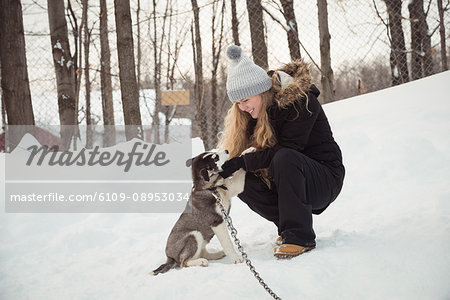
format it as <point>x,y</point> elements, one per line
<point>236,260</point>
<point>203,262</point>
<point>248,150</point>
<point>199,262</point>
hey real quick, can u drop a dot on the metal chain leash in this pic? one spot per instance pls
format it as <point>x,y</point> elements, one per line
<point>233,233</point>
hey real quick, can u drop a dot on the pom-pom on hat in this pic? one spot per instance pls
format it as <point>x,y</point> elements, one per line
<point>245,78</point>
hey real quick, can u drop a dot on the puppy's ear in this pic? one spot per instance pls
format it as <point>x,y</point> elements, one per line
<point>189,163</point>
<point>204,174</point>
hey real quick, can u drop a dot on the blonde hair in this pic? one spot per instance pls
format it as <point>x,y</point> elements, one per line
<point>236,136</point>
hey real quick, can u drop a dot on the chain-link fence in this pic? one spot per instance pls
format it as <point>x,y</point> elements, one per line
<point>353,46</point>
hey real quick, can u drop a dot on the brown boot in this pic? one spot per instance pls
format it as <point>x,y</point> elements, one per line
<point>290,250</point>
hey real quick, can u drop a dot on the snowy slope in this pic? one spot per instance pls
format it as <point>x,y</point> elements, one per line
<point>387,236</point>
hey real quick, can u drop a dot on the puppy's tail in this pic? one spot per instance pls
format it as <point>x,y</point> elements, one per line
<point>170,264</point>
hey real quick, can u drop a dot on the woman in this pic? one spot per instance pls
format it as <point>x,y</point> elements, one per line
<point>297,169</point>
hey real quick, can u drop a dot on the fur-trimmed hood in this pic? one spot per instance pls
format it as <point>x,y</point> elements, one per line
<point>291,85</point>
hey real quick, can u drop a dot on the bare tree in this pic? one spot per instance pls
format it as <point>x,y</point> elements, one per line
<point>139,51</point>
<point>444,66</point>
<point>64,69</point>
<point>398,60</point>
<point>157,43</point>
<point>173,53</point>
<point>198,67</point>
<point>127,73</point>
<point>421,60</point>
<point>292,31</point>
<point>2,103</point>
<point>87,80</point>
<point>14,81</point>
<point>234,23</point>
<point>109,138</point>
<point>259,47</point>
<point>216,46</point>
<point>327,77</point>
<point>169,111</point>
<point>77,60</point>
<point>3,111</point>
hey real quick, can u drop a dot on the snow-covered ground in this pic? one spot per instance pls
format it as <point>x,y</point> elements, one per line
<point>387,236</point>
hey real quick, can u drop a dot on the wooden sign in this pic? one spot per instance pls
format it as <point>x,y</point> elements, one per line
<point>175,97</point>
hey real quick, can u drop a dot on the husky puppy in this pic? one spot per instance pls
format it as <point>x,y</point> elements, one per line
<point>202,218</point>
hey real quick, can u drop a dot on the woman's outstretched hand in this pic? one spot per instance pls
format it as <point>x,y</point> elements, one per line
<point>231,166</point>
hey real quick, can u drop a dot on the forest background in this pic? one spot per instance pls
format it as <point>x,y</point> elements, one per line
<point>69,63</point>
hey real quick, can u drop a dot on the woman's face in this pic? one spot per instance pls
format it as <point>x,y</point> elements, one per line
<point>251,105</point>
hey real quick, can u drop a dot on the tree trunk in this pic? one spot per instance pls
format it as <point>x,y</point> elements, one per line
<point>234,23</point>
<point>127,70</point>
<point>216,46</point>
<point>427,59</point>
<point>169,111</point>
<point>416,67</point>
<point>77,64</point>
<point>139,54</point>
<point>398,60</point>
<point>2,103</point>
<point>292,30</point>
<point>444,66</point>
<point>173,54</point>
<point>421,61</point>
<point>14,80</point>
<point>156,79</point>
<point>87,79</point>
<point>198,66</point>
<point>64,69</point>
<point>327,77</point>
<point>109,137</point>
<point>3,110</point>
<point>259,47</point>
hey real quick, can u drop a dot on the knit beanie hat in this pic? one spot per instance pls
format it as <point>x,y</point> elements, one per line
<point>245,78</point>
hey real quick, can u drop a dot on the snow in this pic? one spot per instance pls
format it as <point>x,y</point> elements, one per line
<point>385,237</point>
<point>58,46</point>
<point>395,72</point>
<point>61,61</point>
<point>291,25</point>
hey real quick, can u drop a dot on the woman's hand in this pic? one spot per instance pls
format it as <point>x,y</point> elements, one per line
<point>231,166</point>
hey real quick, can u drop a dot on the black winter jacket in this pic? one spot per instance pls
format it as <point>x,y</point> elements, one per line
<point>297,128</point>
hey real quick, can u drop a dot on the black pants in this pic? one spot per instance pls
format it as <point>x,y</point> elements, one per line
<point>301,186</point>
